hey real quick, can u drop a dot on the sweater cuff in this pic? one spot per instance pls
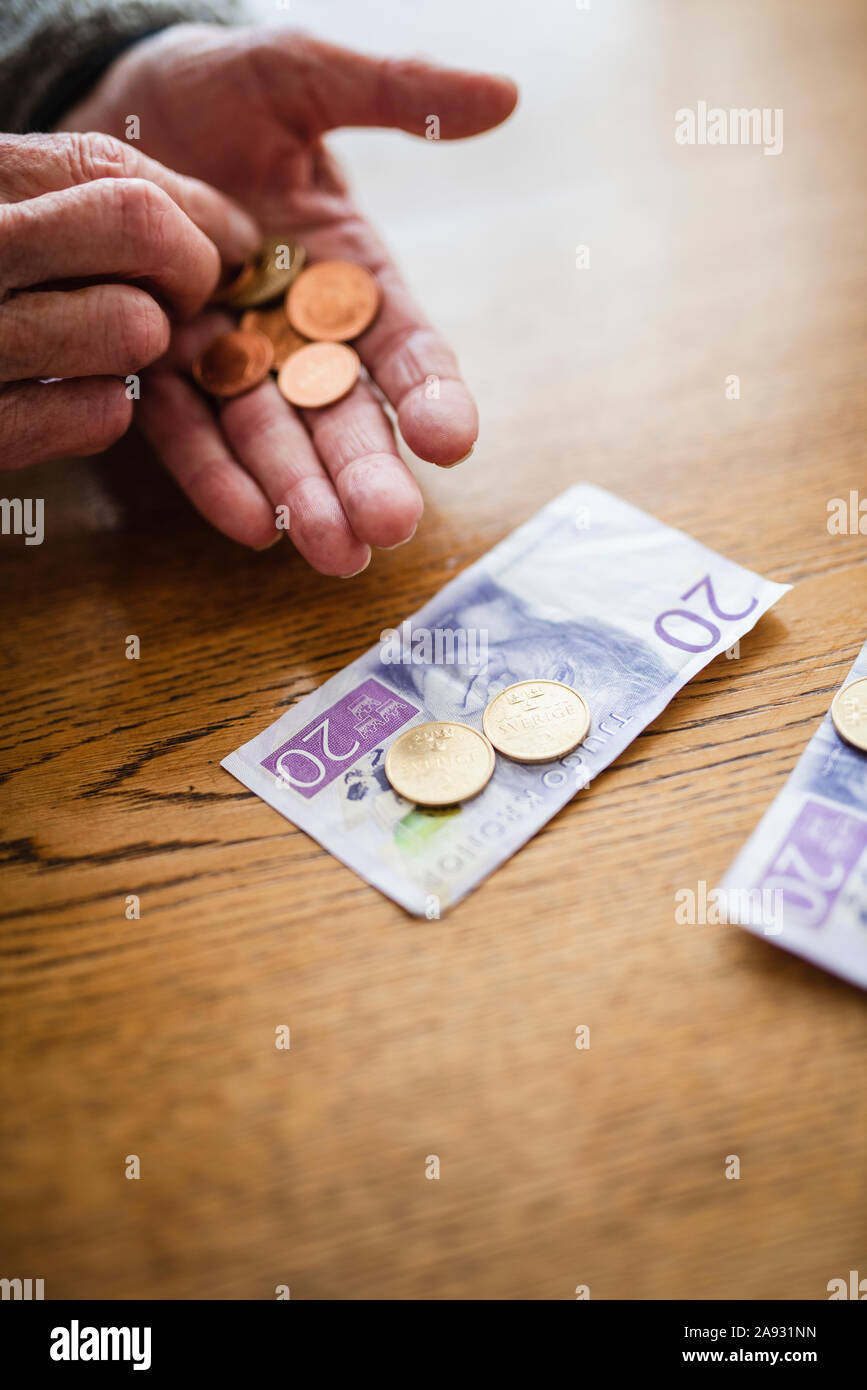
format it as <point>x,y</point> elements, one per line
<point>75,83</point>
<point>53,51</point>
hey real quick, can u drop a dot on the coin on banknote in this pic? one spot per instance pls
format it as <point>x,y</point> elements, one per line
<point>275,325</point>
<point>849,713</point>
<point>233,363</point>
<point>268,273</point>
<point>318,374</point>
<point>536,721</point>
<point>439,764</point>
<point>333,301</point>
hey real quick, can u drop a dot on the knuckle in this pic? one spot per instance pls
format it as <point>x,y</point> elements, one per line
<point>15,340</point>
<point>95,155</point>
<point>15,221</point>
<point>11,147</point>
<point>145,214</point>
<point>108,416</point>
<point>141,328</point>
<point>20,157</point>
<point>18,444</point>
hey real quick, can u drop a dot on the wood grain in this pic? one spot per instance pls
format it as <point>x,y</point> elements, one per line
<point>156,1037</point>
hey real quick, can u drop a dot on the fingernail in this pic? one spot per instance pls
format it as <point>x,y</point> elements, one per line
<point>268,544</point>
<point>406,540</point>
<point>460,460</point>
<point>358,571</point>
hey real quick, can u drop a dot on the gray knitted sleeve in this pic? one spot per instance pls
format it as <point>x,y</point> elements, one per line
<point>46,45</point>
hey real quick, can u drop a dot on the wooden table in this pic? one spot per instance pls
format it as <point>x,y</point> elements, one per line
<point>156,1036</point>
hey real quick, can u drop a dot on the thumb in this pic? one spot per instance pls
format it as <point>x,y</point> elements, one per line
<point>326,86</point>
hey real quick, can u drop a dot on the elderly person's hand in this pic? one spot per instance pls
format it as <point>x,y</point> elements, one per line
<point>79,209</point>
<point>245,109</point>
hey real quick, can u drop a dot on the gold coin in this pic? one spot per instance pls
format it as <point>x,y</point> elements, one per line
<point>536,721</point>
<point>849,713</point>
<point>439,764</point>
<point>244,277</point>
<point>333,301</point>
<point>275,325</point>
<point>318,374</point>
<point>268,274</point>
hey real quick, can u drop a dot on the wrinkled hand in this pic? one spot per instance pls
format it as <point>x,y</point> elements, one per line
<point>74,208</point>
<point>245,110</point>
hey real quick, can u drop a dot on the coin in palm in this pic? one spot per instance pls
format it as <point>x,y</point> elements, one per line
<point>234,363</point>
<point>318,374</point>
<point>333,301</point>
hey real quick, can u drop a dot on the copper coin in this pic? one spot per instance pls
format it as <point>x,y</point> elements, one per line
<point>333,301</point>
<point>233,363</point>
<point>275,325</point>
<point>318,374</point>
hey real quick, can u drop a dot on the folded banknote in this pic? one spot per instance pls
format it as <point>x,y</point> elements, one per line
<point>591,592</point>
<point>801,878</point>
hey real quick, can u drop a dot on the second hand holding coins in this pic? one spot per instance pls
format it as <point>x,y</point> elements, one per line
<point>445,762</point>
<point>296,322</point>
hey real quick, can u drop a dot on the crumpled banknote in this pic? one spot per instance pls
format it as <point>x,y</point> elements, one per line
<point>591,592</point>
<point>801,878</point>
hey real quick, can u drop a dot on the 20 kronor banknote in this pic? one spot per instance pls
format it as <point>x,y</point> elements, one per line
<point>801,878</point>
<point>591,592</point>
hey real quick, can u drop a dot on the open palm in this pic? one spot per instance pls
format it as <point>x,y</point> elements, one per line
<point>245,109</point>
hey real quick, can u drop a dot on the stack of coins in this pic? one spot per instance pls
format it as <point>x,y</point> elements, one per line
<point>442,763</point>
<point>296,322</point>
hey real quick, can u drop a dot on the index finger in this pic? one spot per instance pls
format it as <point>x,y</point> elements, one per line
<point>126,229</point>
<point>34,164</point>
